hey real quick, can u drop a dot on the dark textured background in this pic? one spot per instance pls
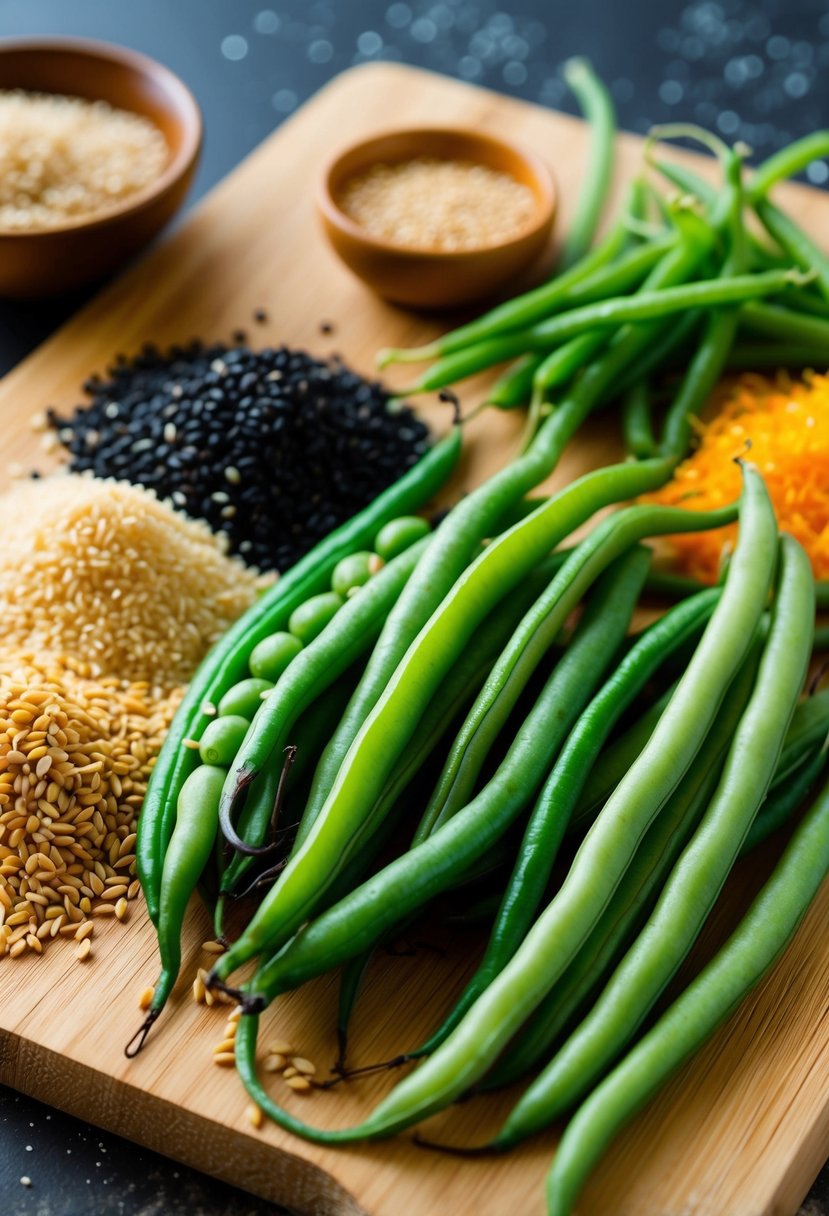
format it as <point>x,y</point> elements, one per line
<point>756,71</point>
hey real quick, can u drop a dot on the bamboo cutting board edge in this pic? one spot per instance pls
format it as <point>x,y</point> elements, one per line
<point>754,1107</point>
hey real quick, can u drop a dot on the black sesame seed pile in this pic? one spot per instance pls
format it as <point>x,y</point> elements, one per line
<point>272,447</point>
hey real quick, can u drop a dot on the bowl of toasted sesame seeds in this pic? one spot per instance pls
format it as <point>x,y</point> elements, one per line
<point>437,217</point>
<point>98,146</point>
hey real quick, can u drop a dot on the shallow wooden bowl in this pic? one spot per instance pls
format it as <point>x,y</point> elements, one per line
<point>80,251</point>
<point>424,278</point>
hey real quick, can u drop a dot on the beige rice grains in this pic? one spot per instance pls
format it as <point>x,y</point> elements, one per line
<point>76,751</point>
<point>105,571</point>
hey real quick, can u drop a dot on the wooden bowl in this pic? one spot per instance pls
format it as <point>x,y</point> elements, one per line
<point>426,278</point>
<point>45,262</point>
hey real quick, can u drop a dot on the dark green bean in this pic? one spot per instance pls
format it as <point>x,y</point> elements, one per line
<point>782,802</point>
<point>795,243</point>
<point>773,321</point>
<point>637,422</point>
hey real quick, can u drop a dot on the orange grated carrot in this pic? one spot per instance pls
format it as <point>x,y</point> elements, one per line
<point>787,424</point>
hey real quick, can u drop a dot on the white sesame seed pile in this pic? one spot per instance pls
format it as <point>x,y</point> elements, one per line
<point>66,158</point>
<point>438,204</point>
<point>76,751</point>
<point>106,572</point>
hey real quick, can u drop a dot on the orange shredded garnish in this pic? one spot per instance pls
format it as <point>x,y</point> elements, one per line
<point>787,424</point>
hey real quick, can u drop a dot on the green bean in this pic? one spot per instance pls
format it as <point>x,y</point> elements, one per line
<point>635,895</point>
<point>550,816</point>
<point>228,660</point>
<point>822,637</point>
<point>188,852</point>
<point>795,243</point>
<point>784,325</point>
<point>597,106</point>
<point>788,161</point>
<point>437,863</point>
<point>637,423</point>
<point>697,878</point>
<point>711,355</point>
<point>649,305</point>
<point>670,586</point>
<point>784,801</point>
<point>757,942</point>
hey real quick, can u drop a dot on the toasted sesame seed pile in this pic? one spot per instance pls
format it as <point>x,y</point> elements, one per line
<point>105,572</point>
<point>273,448</point>
<point>76,751</point>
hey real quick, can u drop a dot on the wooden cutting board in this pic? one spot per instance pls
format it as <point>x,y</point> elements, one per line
<point>742,1131</point>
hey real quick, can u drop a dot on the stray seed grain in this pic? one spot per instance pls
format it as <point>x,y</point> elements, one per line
<point>300,1084</point>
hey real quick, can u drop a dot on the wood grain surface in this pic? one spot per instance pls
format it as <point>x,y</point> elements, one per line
<point>742,1131</point>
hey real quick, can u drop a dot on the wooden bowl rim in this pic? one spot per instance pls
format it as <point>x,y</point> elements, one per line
<point>183,106</point>
<point>544,184</point>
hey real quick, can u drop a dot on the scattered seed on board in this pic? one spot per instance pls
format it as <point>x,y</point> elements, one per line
<point>212,947</point>
<point>225,1045</point>
<point>253,1113</point>
<point>226,1059</point>
<point>146,998</point>
<point>274,1063</point>
<point>280,1047</point>
<point>303,1065</point>
<point>83,949</point>
<point>289,1072</point>
<point>299,1083</point>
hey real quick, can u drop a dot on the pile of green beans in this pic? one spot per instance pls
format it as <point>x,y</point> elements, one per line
<point>412,718</point>
<point>741,289</point>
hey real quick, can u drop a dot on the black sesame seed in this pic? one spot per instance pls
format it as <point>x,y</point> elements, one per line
<point>307,443</point>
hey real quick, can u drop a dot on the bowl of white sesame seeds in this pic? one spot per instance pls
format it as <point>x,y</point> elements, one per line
<point>437,217</point>
<point>98,146</point>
